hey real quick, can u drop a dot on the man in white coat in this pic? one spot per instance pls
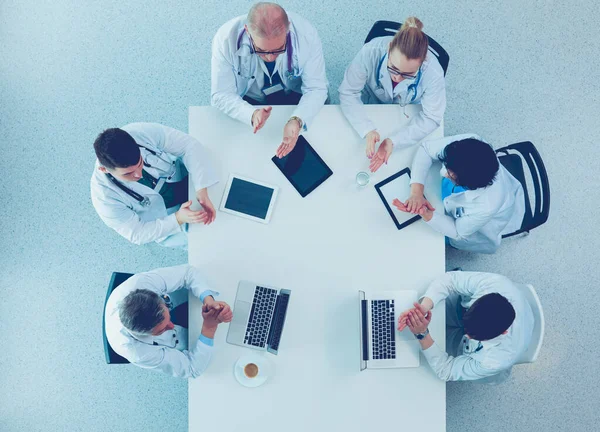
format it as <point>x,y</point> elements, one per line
<point>138,321</point>
<point>482,200</point>
<point>140,183</point>
<point>489,326</point>
<point>270,57</point>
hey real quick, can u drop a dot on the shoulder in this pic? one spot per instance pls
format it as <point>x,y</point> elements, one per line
<point>230,28</point>
<point>302,29</point>
<point>431,67</point>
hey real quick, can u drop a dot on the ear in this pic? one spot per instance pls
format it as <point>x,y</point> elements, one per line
<point>102,169</point>
<point>505,332</point>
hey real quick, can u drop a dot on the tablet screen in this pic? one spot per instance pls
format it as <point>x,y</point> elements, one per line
<point>397,186</point>
<point>249,198</point>
<point>303,167</point>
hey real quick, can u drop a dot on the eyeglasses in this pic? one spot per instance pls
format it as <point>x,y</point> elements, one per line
<point>402,74</point>
<point>261,52</point>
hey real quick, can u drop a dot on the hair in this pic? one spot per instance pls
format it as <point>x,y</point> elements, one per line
<point>115,148</point>
<point>267,20</point>
<point>489,317</point>
<point>410,39</point>
<point>141,310</point>
<point>473,162</point>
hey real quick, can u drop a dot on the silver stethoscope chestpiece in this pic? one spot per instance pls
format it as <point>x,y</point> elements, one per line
<point>145,202</point>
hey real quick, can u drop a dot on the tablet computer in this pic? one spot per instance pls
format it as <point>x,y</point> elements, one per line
<point>303,167</point>
<point>397,186</point>
<point>248,198</point>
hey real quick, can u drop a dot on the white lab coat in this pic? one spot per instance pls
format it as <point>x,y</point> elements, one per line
<point>493,362</point>
<point>487,213</point>
<point>235,72</point>
<point>361,85</point>
<point>167,352</point>
<point>125,214</point>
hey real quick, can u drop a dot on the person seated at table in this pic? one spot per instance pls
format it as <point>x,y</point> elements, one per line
<point>270,57</point>
<point>489,326</point>
<point>139,324</point>
<point>140,184</point>
<point>394,70</point>
<point>482,200</point>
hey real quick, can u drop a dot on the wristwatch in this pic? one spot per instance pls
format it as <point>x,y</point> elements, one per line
<point>298,119</point>
<point>422,335</point>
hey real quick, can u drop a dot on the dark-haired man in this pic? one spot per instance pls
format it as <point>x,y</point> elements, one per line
<point>489,326</point>
<point>140,184</point>
<point>482,200</point>
<point>139,326</point>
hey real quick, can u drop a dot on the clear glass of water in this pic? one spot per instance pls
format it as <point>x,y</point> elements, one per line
<point>362,179</point>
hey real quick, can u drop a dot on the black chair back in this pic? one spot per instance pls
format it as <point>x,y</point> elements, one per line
<point>111,356</point>
<point>389,28</point>
<point>512,158</point>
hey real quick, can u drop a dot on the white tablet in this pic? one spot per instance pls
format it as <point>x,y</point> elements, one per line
<point>249,199</point>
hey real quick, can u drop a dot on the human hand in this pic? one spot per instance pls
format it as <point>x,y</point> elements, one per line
<point>417,321</point>
<point>425,306</point>
<point>224,311</point>
<point>207,206</point>
<point>415,202</point>
<point>186,215</point>
<point>291,131</point>
<point>372,138</point>
<point>259,117</point>
<point>382,156</point>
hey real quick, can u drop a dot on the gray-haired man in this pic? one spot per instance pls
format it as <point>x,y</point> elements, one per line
<point>139,327</point>
<point>270,57</point>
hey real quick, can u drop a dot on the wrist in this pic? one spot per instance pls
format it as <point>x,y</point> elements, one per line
<point>428,215</point>
<point>426,342</point>
<point>417,189</point>
<point>298,120</point>
<point>209,330</point>
<point>208,297</point>
<point>179,217</point>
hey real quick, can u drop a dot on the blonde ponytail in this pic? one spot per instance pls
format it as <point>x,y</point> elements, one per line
<point>410,39</point>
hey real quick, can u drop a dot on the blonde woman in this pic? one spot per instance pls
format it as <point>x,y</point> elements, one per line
<point>394,70</point>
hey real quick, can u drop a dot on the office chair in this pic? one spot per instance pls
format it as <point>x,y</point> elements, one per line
<point>111,356</point>
<point>389,28</point>
<point>539,326</point>
<point>512,157</point>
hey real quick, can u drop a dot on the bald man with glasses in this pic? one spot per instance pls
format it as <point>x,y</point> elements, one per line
<point>269,57</point>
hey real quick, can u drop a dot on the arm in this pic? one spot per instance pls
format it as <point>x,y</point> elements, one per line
<point>465,284</point>
<point>350,91</point>
<point>182,364</point>
<point>128,224</point>
<point>194,156</point>
<point>433,104</point>
<point>168,279</point>
<point>448,368</point>
<point>314,83</point>
<point>224,93</point>
<point>459,228</point>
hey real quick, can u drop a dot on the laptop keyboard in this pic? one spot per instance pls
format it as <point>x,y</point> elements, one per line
<point>383,329</point>
<point>263,304</point>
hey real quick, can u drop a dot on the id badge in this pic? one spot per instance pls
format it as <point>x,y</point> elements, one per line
<point>273,89</point>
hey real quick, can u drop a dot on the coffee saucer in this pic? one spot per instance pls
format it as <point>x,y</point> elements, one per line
<point>264,370</point>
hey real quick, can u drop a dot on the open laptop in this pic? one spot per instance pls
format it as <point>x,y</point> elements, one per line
<point>382,346</point>
<point>258,317</point>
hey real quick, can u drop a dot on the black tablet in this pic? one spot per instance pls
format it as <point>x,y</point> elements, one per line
<point>303,167</point>
<point>397,186</point>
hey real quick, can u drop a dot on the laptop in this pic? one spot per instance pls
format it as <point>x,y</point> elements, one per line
<point>382,346</point>
<point>258,317</point>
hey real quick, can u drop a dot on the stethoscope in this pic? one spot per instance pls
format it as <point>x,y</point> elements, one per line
<point>143,200</point>
<point>412,86</point>
<point>289,49</point>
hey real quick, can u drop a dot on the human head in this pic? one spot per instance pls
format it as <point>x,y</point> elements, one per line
<point>489,317</point>
<point>119,154</point>
<point>408,49</point>
<point>470,163</point>
<point>268,25</point>
<point>143,312</point>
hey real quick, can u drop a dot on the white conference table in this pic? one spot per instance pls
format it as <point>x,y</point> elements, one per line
<point>324,248</point>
